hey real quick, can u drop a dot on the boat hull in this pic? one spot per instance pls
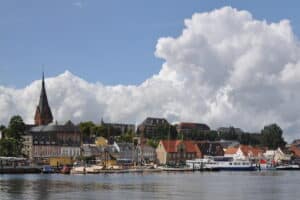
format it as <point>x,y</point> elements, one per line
<point>236,168</point>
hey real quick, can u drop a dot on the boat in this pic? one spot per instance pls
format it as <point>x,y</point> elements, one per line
<point>199,164</point>
<point>47,169</point>
<point>78,170</point>
<point>230,164</point>
<point>65,170</point>
<point>94,169</point>
<point>288,167</point>
<point>265,165</point>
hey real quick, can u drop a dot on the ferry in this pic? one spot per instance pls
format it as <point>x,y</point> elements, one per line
<point>220,163</point>
<point>198,164</point>
<point>230,164</point>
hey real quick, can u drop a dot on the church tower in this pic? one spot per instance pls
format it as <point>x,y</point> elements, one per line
<point>43,114</point>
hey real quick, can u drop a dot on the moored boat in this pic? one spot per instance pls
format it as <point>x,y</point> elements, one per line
<point>230,164</point>
<point>78,170</point>
<point>288,167</point>
<point>65,170</point>
<point>47,169</point>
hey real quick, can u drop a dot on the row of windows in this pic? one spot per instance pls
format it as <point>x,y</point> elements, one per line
<point>178,155</point>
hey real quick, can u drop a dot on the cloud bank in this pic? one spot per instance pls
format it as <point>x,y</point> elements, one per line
<point>226,68</point>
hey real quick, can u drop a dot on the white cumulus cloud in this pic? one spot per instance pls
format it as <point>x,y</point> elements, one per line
<point>225,68</point>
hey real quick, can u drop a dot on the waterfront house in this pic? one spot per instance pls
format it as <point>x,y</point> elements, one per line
<point>277,156</point>
<point>128,153</point>
<point>208,148</point>
<point>244,152</point>
<point>148,153</point>
<point>176,151</point>
<point>228,143</point>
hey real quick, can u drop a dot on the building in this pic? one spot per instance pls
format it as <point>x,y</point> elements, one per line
<point>43,114</point>
<point>150,125</point>
<point>229,143</point>
<point>148,153</point>
<point>121,128</point>
<point>176,151</point>
<point>128,153</point>
<point>207,148</point>
<point>54,141</point>
<point>47,142</point>
<point>277,156</point>
<point>229,130</point>
<point>244,152</point>
<point>186,128</point>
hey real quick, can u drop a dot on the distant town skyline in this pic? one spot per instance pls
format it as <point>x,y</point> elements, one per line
<point>222,63</point>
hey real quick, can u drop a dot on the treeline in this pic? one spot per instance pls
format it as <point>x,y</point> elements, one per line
<point>90,131</point>
<point>271,136</point>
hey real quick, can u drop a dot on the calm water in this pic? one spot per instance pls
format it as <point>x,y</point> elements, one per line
<point>194,185</point>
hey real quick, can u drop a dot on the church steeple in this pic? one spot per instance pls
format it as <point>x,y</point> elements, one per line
<point>43,114</point>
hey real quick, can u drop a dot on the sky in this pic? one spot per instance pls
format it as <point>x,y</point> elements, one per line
<point>224,63</point>
<point>108,41</point>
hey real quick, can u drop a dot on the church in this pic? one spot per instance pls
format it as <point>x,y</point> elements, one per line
<point>47,142</point>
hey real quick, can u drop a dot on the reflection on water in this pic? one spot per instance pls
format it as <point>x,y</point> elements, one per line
<point>197,185</point>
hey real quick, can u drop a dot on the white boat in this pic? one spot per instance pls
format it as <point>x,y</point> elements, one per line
<point>288,167</point>
<point>78,170</point>
<point>197,164</point>
<point>229,164</point>
<point>94,169</point>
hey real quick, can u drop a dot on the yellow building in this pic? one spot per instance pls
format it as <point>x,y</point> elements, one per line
<point>101,141</point>
<point>57,161</point>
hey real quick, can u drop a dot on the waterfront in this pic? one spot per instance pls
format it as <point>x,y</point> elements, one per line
<point>193,185</point>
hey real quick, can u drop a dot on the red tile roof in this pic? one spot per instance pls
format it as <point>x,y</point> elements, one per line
<point>171,145</point>
<point>246,149</point>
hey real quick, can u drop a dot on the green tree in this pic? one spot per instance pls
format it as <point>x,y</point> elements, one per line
<point>271,136</point>
<point>9,147</point>
<point>86,129</point>
<point>127,137</point>
<point>16,128</point>
<point>12,143</point>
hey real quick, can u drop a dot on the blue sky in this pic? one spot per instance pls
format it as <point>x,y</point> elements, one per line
<point>112,42</point>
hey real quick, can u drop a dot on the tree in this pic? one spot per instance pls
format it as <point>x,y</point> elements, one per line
<point>127,137</point>
<point>9,147</point>
<point>86,128</point>
<point>16,128</point>
<point>12,143</point>
<point>271,136</point>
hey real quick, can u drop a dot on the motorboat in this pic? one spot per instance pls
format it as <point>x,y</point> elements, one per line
<point>47,169</point>
<point>65,170</point>
<point>288,167</point>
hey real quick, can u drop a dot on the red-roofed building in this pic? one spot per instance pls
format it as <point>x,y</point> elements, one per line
<point>245,152</point>
<point>176,151</point>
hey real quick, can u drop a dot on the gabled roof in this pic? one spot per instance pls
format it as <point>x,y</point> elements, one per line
<point>246,150</point>
<point>171,145</point>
